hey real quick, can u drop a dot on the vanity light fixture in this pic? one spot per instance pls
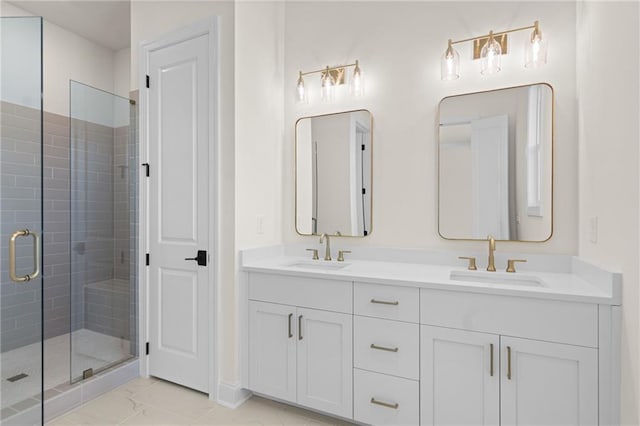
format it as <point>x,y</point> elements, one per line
<point>330,77</point>
<point>301,93</point>
<point>489,48</point>
<point>490,56</point>
<point>326,91</point>
<point>450,65</point>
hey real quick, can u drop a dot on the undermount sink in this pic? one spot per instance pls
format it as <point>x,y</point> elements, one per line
<point>319,265</point>
<point>497,278</point>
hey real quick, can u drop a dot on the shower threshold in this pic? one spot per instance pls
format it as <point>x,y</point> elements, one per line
<point>91,350</point>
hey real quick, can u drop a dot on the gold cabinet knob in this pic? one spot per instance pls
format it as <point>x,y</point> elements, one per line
<point>315,253</point>
<point>472,262</point>
<point>511,264</point>
<point>341,254</point>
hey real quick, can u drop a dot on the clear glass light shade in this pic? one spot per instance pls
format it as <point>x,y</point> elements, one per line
<point>490,56</point>
<point>301,93</point>
<point>450,64</point>
<point>356,85</point>
<point>326,89</point>
<point>535,51</point>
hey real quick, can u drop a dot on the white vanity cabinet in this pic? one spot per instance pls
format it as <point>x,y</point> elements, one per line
<point>481,376</point>
<point>405,346</point>
<point>298,353</point>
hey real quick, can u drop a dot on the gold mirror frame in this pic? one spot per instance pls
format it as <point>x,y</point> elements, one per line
<point>295,172</point>
<point>553,139</point>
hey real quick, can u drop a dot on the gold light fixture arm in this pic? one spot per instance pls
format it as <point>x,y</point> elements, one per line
<point>496,34</point>
<point>323,70</point>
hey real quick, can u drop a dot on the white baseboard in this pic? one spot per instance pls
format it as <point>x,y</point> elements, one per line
<point>232,395</point>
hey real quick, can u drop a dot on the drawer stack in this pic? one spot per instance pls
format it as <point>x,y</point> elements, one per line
<point>386,354</point>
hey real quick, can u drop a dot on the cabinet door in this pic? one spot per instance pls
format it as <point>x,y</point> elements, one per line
<point>548,383</point>
<point>460,382</point>
<point>272,350</point>
<point>325,361</point>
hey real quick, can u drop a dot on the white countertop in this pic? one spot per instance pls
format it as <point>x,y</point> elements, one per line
<point>584,284</point>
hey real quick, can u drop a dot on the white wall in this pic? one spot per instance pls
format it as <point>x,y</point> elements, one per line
<point>259,60</point>
<point>259,122</point>
<point>399,45</point>
<point>149,20</point>
<point>21,62</point>
<point>121,72</point>
<point>609,158</point>
<point>67,56</point>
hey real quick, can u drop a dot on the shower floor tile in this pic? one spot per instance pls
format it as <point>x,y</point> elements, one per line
<point>91,350</point>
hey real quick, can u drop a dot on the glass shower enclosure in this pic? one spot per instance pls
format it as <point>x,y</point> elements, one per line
<point>21,210</point>
<point>68,203</point>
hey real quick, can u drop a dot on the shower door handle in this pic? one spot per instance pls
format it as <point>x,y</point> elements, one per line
<point>12,256</point>
<point>201,258</point>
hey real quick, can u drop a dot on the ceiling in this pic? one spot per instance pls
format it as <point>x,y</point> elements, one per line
<point>106,23</point>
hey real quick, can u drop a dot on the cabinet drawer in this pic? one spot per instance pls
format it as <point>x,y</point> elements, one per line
<point>385,301</point>
<point>389,347</point>
<point>549,320</point>
<point>329,295</point>
<point>399,396</point>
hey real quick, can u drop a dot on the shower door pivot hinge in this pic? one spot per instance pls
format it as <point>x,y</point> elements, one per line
<point>146,166</point>
<point>87,373</point>
<point>147,256</point>
<point>147,348</point>
<point>147,81</point>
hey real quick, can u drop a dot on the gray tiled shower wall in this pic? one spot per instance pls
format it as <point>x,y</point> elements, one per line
<point>98,245</point>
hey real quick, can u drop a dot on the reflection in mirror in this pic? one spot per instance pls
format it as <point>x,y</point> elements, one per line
<point>496,164</point>
<point>333,174</point>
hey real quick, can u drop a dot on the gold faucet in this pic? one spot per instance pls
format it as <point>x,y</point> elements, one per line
<point>491,267</point>
<point>327,253</point>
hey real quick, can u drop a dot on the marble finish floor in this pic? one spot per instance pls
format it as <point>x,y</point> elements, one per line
<point>156,402</point>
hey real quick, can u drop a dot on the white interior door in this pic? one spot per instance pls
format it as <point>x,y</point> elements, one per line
<point>490,177</point>
<point>178,219</point>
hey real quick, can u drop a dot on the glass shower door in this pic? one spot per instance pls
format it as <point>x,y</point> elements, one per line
<point>103,180</point>
<point>21,204</point>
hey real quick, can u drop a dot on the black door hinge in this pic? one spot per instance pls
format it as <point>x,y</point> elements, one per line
<point>147,81</point>
<point>147,348</point>
<point>364,191</point>
<point>363,147</point>
<point>146,165</point>
<point>147,259</point>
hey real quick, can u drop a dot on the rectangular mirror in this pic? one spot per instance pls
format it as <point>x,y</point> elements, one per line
<point>333,174</point>
<point>495,164</point>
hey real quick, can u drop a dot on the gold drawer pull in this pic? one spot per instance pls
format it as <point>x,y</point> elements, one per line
<point>384,302</point>
<point>385,404</point>
<point>382,348</point>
